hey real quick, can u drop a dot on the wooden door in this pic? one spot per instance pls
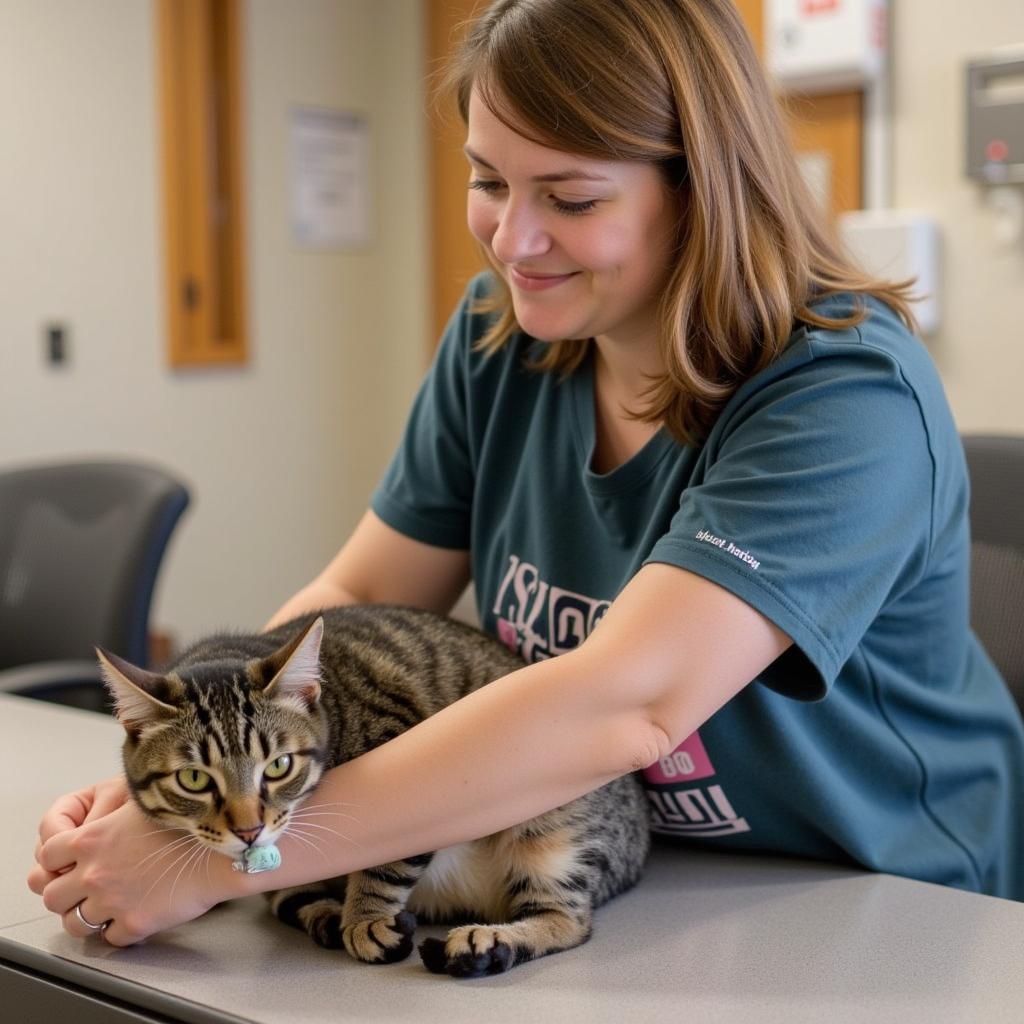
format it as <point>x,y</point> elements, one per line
<point>454,254</point>
<point>826,131</point>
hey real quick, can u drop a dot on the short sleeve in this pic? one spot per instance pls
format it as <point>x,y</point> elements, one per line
<point>814,505</point>
<point>426,492</point>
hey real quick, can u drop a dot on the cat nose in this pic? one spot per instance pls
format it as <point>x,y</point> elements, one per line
<point>248,835</point>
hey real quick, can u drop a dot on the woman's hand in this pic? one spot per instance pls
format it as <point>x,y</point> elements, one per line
<point>123,868</point>
<point>71,811</point>
<point>87,804</point>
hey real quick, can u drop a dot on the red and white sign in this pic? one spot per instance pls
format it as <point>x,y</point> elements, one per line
<point>809,7</point>
<point>825,45</point>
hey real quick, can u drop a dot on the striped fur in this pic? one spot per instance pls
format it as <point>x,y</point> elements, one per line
<point>234,704</point>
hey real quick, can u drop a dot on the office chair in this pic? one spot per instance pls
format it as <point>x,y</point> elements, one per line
<point>80,547</point>
<point>996,468</point>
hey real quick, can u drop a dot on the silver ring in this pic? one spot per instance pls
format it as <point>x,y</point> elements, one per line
<point>88,924</point>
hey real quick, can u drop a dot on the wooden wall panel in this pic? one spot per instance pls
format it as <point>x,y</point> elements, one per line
<point>752,13</point>
<point>454,254</point>
<point>827,128</point>
<point>199,59</point>
<point>830,128</point>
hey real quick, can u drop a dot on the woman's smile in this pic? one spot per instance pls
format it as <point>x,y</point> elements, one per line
<point>531,281</point>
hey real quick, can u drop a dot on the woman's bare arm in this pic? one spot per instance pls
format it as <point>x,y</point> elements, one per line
<point>376,565</point>
<point>663,660</point>
<point>379,565</point>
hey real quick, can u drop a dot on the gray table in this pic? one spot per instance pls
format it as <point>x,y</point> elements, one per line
<point>705,938</point>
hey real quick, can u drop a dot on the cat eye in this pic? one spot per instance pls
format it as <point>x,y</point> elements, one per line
<point>279,767</point>
<point>194,780</point>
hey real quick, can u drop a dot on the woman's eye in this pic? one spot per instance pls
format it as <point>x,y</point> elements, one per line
<point>562,206</point>
<point>279,767</point>
<point>194,780</point>
<point>484,185</point>
<point>489,187</point>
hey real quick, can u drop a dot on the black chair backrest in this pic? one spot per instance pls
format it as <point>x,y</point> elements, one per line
<point>80,546</point>
<point>996,468</point>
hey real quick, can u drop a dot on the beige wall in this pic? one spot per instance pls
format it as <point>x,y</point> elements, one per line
<point>281,455</point>
<point>980,348</point>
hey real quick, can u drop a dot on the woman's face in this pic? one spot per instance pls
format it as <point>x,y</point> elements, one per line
<point>585,245</point>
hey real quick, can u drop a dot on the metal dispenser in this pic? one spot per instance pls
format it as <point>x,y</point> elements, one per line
<point>995,119</point>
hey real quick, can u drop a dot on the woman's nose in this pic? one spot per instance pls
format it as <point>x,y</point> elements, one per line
<point>519,235</point>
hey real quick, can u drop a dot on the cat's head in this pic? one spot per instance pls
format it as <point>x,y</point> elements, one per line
<point>226,748</point>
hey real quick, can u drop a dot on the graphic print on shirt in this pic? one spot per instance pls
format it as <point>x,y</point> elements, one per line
<point>678,807</point>
<point>539,620</point>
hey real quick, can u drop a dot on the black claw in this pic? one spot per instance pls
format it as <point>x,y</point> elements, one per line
<point>433,956</point>
<point>288,909</point>
<point>396,953</point>
<point>402,929</point>
<point>327,932</point>
<point>469,965</point>
<point>501,958</point>
<point>405,922</point>
<point>498,959</point>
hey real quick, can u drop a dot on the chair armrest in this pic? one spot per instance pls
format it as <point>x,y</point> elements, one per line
<point>41,676</point>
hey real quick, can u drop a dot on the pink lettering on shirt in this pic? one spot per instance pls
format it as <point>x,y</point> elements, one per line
<point>687,762</point>
<point>508,635</point>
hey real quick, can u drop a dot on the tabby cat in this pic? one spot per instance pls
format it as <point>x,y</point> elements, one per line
<point>230,741</point>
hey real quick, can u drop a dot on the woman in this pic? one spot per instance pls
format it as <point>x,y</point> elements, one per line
<point>674,409</point>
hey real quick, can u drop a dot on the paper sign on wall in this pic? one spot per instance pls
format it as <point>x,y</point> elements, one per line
<point>816,168</point>
<point>330,193</point>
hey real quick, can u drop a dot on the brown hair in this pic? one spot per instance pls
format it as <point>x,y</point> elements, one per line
<point>675,83</point>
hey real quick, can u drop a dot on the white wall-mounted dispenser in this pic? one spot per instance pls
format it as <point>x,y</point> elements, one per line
<point>895,245</point>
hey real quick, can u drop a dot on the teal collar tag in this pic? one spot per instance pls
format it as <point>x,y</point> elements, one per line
<point>257,859</point>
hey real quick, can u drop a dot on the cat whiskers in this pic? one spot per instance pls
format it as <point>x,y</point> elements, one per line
<point>307,840</point>
<point>163,828</point>
<point>332,803</point>
<point>187,852</point>
<point>323,814</point>
<point>194,860</point>
<point>336,803</point>
<point>209,857</point>
<point>311,824</point>
<point>176,844</point>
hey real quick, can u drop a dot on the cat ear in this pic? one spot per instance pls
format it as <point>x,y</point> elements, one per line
<point>295,668</point>
<point>137,693</point>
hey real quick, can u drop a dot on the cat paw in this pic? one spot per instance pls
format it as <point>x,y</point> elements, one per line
<point>315,914</point>
<point>325,930</point>
<point>471,952</point>
<point>383,941</point>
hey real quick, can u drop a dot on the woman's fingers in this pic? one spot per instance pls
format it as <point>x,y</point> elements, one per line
<point>83,920</point>
<point>66,812</point>
<point>59,853</point>
<point>75,809</point>
<point>125,869</point>
<point>109,796</point>
<point>63,893</point>
<point>117,933</point>
<point>39,878</point>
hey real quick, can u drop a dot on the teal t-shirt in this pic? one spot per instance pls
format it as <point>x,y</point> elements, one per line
<point>831,495</point>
